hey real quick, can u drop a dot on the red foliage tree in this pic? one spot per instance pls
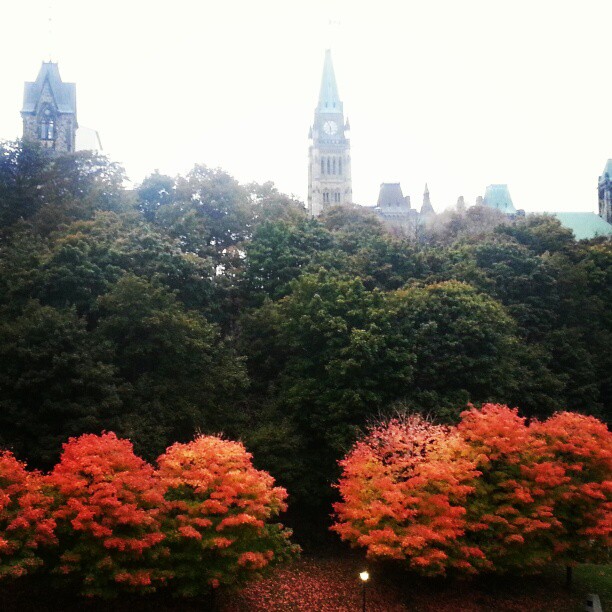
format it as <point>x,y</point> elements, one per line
<point>218,508</point>
<point>403,492</point>
<point>581,446</point>
<point>108,516</point>
<point>25,522</point>
<point>510,513</point>
<point>491,494</point>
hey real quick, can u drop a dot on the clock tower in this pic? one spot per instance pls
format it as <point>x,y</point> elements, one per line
<point>329,154</point>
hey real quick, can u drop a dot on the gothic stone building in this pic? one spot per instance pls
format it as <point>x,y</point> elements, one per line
<point>49,110</point>
<point>604,188</point>
<point>329,154</point>
<point>396,211</point>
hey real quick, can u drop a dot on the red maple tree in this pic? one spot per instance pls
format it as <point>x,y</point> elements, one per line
<point>581,446</point>
<point>108,516</point>
<point>217,514</point>
<point>493,493</point>
<point>403,489</point>
<point>25,522</point>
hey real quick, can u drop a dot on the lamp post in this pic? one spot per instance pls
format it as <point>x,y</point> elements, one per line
<point>365,576</point>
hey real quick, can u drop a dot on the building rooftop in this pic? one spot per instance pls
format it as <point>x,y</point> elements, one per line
<point>391,196</point>
<point>584,224</point>
<point>498,196</point>
<point>64,94</point>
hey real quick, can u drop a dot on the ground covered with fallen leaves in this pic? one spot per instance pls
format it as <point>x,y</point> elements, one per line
<point>329,582</point>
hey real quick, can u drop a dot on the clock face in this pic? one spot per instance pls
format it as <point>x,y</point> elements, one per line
<point>330,127</point>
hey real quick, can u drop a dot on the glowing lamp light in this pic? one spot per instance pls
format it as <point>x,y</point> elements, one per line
<point>365,576</point>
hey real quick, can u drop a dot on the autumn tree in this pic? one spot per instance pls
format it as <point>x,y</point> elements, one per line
<point>26,526</point>
<point>404,488</point>
<point>218,514</point>
<point>493,494</point>
<point>580,446</point>
<point>511,514</point>
<point>108,515</point>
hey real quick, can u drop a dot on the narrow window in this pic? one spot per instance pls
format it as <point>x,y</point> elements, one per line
<point>322,166</point>
<point>328,166</point>
<point>340,166</point>
<point>334,166</point>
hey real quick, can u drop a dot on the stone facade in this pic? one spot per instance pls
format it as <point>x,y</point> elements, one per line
<point>49,110</point>
<point>604,188</point>
<point>396,212</point>
<point>329,154</point>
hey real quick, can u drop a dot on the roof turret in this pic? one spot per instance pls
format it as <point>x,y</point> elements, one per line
<point>427,208</point>
<point>498,196</point>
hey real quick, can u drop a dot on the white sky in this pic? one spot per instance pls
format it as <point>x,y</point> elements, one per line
<point>455,93</point>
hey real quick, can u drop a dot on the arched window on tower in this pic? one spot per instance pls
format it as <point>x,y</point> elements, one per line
<point>328,166</point>
<point>340,165</point>
<point>46,129</point>
<point>337,197</point>
<point>326,197</point>
<point>334,166</point>
<point>322,165</point>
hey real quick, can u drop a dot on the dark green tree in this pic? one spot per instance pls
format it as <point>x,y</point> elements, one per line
<point>179,376</point>
<point>55,382</point>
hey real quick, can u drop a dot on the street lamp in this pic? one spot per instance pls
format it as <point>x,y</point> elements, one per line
<point>365,576</point>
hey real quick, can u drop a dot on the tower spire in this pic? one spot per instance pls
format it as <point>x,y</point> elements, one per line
<point>427,208</point>
<point>329,99</point>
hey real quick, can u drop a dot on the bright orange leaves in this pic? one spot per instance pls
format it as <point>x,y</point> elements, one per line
<point>199,521</point>
<point>217,511</point>
<point>108,514</point>
<point>490,494</point>
<point>25,523</point>
<point>404,488</point>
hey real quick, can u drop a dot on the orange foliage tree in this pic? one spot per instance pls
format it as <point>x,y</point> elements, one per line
<point>25,522</point>
<point>510,513</point>
<point>217,516</point>
<point>108,516</point>
<point>403,489</point>
<point>581,446</point>
<point>492,494</point>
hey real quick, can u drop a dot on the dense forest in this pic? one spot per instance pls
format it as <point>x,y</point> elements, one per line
<point>195,304</point>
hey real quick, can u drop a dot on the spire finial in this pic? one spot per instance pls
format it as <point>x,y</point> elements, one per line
<point>50,31</point>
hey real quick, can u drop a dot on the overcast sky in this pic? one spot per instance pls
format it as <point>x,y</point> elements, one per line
<point>455,93</point>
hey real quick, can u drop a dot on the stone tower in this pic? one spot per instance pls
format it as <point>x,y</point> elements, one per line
<point>604,187</point>
<point>329,154</point>
<point>49,110</point>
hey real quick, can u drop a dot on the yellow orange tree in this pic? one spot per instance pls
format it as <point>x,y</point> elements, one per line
<point>218,513</point>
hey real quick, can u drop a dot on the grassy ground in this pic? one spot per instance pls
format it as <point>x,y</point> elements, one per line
<point>318,583</point>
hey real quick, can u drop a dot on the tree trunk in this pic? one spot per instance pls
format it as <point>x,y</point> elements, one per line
<point>569,570</point>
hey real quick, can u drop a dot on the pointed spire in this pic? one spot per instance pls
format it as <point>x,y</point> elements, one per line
<point>427,208</point>
<point>329,100</point>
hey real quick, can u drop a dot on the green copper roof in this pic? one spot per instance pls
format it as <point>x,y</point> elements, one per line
<point>584,224</point>
<point>498,196</point>
<point>329,100</point>
<point>607,170</point>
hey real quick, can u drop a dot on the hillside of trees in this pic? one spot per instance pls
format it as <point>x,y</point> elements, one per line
<point>195,304</point>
